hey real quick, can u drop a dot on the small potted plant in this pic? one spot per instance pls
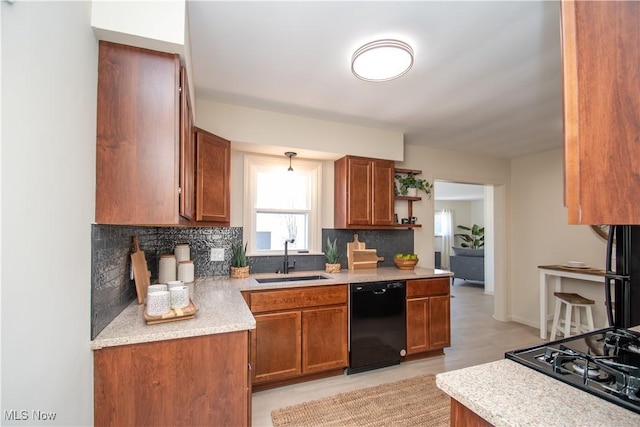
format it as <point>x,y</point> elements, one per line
<point>239,267</point>
<point>409,185</point>
<point>332,255</point>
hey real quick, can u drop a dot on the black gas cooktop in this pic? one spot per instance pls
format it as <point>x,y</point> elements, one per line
<point>605,363</point>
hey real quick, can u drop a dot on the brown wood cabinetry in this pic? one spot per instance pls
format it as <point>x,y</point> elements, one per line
<point>182,382</point>
<point>461,416</point>
<point>364,193</point>
<point>138,137</point>
<point>187,152</point>
<point>213,160</point>
<point>300,333</point>
<point>428,315</point>
<point>600,54</point>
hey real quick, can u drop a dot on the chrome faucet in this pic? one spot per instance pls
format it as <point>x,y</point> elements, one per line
<point>288,266</point>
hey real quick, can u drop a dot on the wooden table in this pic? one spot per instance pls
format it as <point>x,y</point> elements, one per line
<point>553,274</point>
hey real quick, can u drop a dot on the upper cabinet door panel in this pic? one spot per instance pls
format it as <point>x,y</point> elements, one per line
<point>383,192</point>
<point>137,141</point>
<point>213,158</point>
<point>359,192</point>
<point>601,85</point>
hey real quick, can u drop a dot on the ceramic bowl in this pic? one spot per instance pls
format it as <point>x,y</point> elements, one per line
<point>405,264</point>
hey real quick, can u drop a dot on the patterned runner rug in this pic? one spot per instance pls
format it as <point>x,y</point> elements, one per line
<point>412,402</point>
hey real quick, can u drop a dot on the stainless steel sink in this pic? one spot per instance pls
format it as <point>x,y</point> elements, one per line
<point>291,279</point>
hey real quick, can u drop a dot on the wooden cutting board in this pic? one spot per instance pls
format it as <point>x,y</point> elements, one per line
<point>366,258</point>
<point>140,270</point>
<point>351,246</point>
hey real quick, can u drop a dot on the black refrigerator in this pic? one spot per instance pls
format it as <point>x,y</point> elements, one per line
<point>623,276</point>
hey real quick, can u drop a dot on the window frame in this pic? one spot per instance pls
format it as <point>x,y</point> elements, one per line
<point>254,163</point>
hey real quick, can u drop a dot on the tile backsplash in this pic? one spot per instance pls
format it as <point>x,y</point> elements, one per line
<point>112,288</point>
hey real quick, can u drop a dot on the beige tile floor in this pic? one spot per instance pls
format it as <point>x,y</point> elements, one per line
<point>476,338</point>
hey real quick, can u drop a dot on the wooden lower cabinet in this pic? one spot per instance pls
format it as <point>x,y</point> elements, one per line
<point>182,382</point>
<point>428,315</point>
<point>300,332</point>
<point>323,344</point>
<point>461,416</point>
<point>277,340</point>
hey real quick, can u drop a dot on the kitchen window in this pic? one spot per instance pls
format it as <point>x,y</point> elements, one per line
<point>281,205</point>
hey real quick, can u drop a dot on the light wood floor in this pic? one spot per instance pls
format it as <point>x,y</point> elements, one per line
<point>476,338</point>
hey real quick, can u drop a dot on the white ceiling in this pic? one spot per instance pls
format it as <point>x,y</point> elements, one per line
<point>486,77</point>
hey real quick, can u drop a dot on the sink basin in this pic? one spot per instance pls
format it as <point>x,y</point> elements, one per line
<point>291,279</point>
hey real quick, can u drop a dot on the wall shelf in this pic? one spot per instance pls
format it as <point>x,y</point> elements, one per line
<point>408,199</point>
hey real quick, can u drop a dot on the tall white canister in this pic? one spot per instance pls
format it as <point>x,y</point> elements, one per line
<point>167,268</point>
<point>186,271</point>
<point>182,252</point>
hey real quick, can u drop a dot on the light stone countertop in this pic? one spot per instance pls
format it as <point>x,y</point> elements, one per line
<point>506,393</point>
<point>221,307</point>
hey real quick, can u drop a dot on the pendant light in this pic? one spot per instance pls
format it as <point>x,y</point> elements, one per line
<point>290,154</point>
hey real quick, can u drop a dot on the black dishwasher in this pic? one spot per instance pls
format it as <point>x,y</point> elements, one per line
<point>377,325</point>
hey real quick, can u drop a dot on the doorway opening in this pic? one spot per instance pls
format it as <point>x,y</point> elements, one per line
<point>469,204</point>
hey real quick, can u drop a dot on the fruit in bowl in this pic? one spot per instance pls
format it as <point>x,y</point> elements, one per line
<point>405,261</point>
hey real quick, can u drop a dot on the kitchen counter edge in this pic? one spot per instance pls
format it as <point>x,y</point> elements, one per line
<point>506,393</point>
<point>222,309</point>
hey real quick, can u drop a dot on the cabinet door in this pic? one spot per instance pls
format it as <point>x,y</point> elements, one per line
<point>213,158</point>
<point>600,54</point>
<point>383,192</point>
<point>439,322</point>
<point>182,382</point>
<point>418,325</point>
<point>187,151</point>
<point>324,339</point>
<point>277,341</point>
<point>359,188</point>
<point>137,136</point>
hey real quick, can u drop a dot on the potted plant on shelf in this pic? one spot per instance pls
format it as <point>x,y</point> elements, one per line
<point>474,239</point>
<point>239,267</point>
<point>332,255</point>
<point>410,184</point>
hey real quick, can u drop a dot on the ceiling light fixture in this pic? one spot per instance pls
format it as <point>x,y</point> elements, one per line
<point>290,154</point>
<point>382,60</point>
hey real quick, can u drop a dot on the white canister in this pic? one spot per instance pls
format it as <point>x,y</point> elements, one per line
<point>186,271</point>
<point>173,283</point>
<point>182,252</point>
<point>158,303</point>
<point>167,268</point>
<point>179,296</point>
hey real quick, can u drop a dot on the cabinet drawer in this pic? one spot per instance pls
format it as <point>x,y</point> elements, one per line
<point>427,287</point>
<point>296,298</point>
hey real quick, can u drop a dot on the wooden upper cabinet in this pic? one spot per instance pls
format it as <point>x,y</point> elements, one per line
<point>213,169</point>
<point>187,152</point>
<point>137,137</point>
<point>364,192</point>
<point>601,88</point>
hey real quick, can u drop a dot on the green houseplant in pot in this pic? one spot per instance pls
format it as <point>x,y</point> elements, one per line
<point>332,254</point>
<point>239,267</point>
<point>474,239</point>
<point>409,185</point>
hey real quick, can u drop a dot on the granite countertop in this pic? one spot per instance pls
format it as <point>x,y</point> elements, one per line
<point>345,276</point>
<point>221,307</point>
<point>506,393</point>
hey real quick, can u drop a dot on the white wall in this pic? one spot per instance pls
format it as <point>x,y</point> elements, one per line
<point>49,78</point>
<point>540,235</point>
<point>255,129</point>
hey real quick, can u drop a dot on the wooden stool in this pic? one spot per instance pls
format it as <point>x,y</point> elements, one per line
<point>571,301</point>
